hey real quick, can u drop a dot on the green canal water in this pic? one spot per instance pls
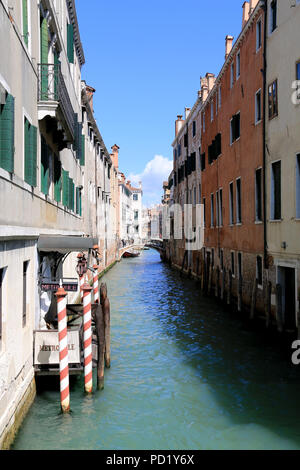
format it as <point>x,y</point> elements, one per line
<point>185,375</point>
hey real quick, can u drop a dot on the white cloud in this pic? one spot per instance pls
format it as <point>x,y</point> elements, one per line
<point>155,173</point>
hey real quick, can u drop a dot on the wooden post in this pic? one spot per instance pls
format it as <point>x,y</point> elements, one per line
<point>209,280</point>
<point>99,322</point>
<point>229,288</point>
<point>240,294</point>
<point>106,314</point>
<point>253,299</point>
<point>268,303</point>
<point>63,350</point>
<point>217,282</point>
<point>223,284</point>
<point>279,308</point>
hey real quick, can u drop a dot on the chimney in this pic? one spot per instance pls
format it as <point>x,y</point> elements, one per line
<point>204,88</point>
<point>246,11</point>
<point>115,156</point>
<point>187,112</point>
<point>90,94</point>
<point>228,45</point>
<point>253,4</point>
<point>178,125</point>
<point>210,81</point>
<point>199,95</point>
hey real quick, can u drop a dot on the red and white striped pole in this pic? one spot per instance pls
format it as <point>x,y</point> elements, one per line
<point>87,338</point>
<point>63,349</point>
<point>95,285</point>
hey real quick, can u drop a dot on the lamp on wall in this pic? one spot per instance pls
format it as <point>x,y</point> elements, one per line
<point>81,267</point>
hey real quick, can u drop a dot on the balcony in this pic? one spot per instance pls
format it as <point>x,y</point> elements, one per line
<point>55,104</point>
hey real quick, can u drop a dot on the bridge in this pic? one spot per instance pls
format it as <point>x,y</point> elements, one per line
<point>157,244</point>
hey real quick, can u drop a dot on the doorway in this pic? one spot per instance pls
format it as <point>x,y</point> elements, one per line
<point>287,280</point>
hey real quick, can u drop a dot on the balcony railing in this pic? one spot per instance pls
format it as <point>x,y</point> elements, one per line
<point>52,87</point>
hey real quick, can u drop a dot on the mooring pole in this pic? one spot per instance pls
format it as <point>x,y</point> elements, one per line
<point>95,285</point>
<point>63,349</point>
<point>87,338</point>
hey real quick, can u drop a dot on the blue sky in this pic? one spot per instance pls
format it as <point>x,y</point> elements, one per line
<point>145,60</point>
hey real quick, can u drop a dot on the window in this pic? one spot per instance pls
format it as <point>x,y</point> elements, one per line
<point>186,140</point>
<point>179,150</point>
<point>25,286</point>
<point>273,99</point>
<point>240,271</point>
<point>258,195</point>
<point>25,21</point>
<point>258,107</point>
<point>258,35</point>
<point>238,65</point>
<point>57,179</point>
<point>298,80</point>
<point>259,270</point>
<point>202,159</point>
<point>235,130</point>
<point>276,191</point>
<point>79,201</point>
<point>136,215</point>
<point>298,187</point>
<point>232,264</point>
<point>1,304</point>
<point>135,197</point>
<point>232,75</point>
<point>221,207</point>
<point>204,211</point>
<point>222,260</point>
<point>194,128</point>
<point>70,43</point>
<point>45,167</point>
<point>238,202</point>
<point>231,208</point>
<point>218,208</point>
<point>212,211</point>
<point>273,15</point>
<point>7,129</point>
<point>30,152</point>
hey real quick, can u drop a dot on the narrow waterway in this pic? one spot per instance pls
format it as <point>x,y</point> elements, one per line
<point>185,375</point>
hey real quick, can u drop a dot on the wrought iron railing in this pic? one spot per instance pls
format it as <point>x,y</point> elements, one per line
<point>52,87</point>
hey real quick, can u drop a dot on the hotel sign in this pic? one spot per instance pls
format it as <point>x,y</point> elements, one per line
<point>50,286</point>
<point>46,347</point>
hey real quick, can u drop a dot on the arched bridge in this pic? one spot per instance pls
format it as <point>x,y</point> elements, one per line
<point>157,244</point>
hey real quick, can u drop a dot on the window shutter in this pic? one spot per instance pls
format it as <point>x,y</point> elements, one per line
<point>82,160</point>
<point>7,132</point>
<point>44,167</point>
<point>25,22</point>
<point>33,139</point>
<point>65,188</point>
<point>57,179</point>
<point>44,59</point>
<point>70,34</point>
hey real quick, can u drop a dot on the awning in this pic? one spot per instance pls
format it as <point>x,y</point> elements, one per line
<point>60,244</point>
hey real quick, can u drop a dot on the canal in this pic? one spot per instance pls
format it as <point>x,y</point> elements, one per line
<point>185,375</point>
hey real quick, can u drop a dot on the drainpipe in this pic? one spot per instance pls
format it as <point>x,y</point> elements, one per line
<point>265,8</point>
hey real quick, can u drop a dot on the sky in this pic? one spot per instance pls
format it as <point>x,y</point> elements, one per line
<point>145,60</point>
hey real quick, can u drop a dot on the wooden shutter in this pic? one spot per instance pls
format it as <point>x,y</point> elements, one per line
<point>70,45</point>
<point>33,137</point>
<point>27,153</point>
<point>25,22</point>
<point>44,59</point>
<point>65,188</point>
<point>82,160</point>
<point>7,131</point>
<point>57,179</point>
<point>45,177</point>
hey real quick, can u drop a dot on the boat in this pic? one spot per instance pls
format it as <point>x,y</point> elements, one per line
<point>131,254</point>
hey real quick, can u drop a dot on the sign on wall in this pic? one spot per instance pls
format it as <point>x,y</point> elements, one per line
<point>46,347</point>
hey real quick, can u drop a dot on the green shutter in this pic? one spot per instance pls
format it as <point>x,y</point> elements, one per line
<point>75,143</point>
<point>45,177</point>
<point>65,188</point>
<point>77,200</point>
<point>33,138</point>
<point>44,59</point>
<point>57,179</point>
<point>7,132</point>
<point>80,203</point>
<point>70,43</point>
<point>25,22</point>
<point>82,159</point>
<point>71,194</point>
<point>27,153</point>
